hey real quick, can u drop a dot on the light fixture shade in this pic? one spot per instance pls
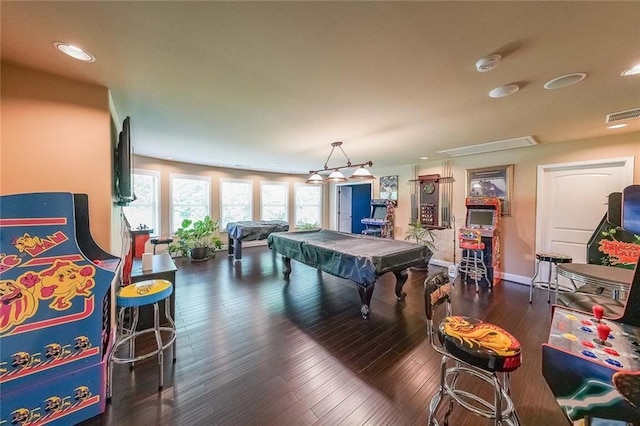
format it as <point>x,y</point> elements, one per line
<point>362,174</point>
<point>315,179</point>
<point>336,177</point>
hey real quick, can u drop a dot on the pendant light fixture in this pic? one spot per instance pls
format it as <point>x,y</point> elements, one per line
<point>337,176</point>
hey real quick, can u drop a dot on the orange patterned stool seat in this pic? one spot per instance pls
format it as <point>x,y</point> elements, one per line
<point>480,344</point>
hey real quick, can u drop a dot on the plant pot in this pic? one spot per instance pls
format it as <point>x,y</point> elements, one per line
<point>199,254</point>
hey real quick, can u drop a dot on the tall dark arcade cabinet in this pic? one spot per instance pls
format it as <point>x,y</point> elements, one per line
<point>55,322</point>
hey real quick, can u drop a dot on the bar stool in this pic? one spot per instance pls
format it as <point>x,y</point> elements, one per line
<point>554,259</point>
<point>156,241</point>
<point>133,296</point>
<point>471,347</point>
<point>472,261</point>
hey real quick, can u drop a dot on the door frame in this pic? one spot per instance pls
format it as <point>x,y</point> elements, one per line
<point>336,213</point>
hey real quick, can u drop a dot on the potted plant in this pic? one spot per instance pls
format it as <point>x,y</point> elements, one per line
<point>424,236</point>
<point>197,240</point>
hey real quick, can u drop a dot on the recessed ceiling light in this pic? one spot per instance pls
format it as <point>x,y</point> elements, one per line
<point>74,51</point>
<point>424,158</point>
<point>565,80</point>
<point>502,91</point>
<point>631,71</point>
<point>618,126</point>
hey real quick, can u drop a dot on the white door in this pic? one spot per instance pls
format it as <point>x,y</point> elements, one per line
<point>571,201</point>
<point>344,209</point>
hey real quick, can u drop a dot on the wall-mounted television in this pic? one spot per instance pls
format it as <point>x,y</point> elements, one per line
<point>124,165</point>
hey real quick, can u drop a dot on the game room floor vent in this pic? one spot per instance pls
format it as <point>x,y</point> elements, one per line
<point>490,147</point>
<point>622,115</point>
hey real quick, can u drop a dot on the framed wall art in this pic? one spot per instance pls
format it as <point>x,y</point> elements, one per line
<point>495,181</point>
<point>389,187</point>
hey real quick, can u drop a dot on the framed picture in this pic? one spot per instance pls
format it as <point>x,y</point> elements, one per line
<point>493,181</point>
<point>389,187</point>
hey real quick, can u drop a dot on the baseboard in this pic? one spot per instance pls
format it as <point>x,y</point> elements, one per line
<point>254,243</point>
<point>518,279</point>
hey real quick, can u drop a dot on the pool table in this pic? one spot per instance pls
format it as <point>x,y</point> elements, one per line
<point>251,231</point>
<point>359,258</point>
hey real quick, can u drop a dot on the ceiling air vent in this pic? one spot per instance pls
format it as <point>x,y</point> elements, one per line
<point>622,115</point>
<point>490,147</point>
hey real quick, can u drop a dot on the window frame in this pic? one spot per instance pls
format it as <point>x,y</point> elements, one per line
<point>298,185</point>
<point>174,226</point>
<point>223,181</point>
<point>284,185</point>
<point>155,174</point>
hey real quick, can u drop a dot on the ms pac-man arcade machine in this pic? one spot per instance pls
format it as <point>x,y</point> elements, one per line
<point>55,303</point>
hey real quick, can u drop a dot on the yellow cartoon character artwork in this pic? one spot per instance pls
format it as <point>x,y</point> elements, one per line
<point>82,393</point>
<point>55,404</point>
<point>18,300</point>
<point>65,280</point>
<point>26,242</point>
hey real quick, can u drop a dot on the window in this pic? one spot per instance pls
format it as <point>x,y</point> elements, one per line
<point>144,210</point>
<point>235,201</point>
<point>190,197</point>
<point>273,201</point>
<point>308,204</point>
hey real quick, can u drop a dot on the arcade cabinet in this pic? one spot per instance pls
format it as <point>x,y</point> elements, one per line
<point>55,311</point>
<point>483,214</point>
<point>380,223</point>
<point>611,244</point>
<point>591,363</point>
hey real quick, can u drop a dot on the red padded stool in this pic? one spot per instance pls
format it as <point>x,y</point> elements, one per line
<point>473,347</point>
<point>472,262</point>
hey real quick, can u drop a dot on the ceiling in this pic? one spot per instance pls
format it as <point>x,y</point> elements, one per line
<point>270,85</point>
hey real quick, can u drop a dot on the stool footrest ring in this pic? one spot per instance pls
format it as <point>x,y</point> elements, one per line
<point>458,394</point>
<point>154,352</point>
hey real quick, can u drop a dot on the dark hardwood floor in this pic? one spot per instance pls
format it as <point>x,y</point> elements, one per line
<point>255,349</point>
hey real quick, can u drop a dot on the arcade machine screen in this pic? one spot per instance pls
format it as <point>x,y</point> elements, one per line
<point>379,212</point>
<point>480,218</point>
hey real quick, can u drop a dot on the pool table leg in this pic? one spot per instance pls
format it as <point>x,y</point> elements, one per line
<point>286,267</point>
<point>401,278</point>
<point>365,298</point>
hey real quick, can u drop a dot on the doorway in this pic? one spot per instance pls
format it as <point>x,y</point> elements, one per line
<point>354,204</point>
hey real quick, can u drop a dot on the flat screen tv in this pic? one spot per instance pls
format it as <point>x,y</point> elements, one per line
<point>124,165</point>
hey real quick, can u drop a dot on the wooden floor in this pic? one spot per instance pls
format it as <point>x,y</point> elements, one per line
<point>254,349</point>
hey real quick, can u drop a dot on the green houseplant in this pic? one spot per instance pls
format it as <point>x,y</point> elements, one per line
<point>421,235</point>
<point>196,240</point>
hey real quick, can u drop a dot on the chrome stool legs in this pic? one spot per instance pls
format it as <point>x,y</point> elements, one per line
<point>126,336</point>
<point>552,277</point>
<point>473,266</point>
